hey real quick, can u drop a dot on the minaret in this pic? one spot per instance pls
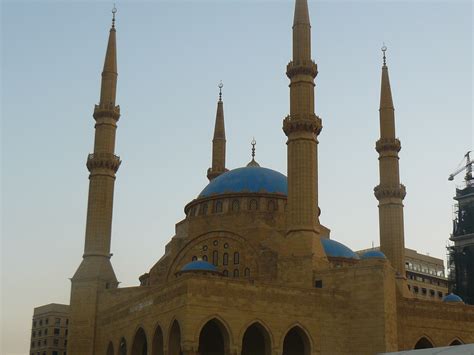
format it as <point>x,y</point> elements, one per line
<point>218,142</point>
<point>302,128</point>
<point>390,193</point>
<point>95,272</point>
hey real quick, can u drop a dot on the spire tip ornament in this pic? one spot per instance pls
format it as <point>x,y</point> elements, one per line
<point>253,163</point>
<point>220,86</point>
<point>114,11</point>
<point>384,49</point>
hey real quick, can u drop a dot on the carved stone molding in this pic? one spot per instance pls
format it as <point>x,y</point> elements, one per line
<point>106,111</point>
<point>103,160</point>
<point>311,124</point>
<point>387,144</point>
<point>302,68</point>
<point>382,192</point>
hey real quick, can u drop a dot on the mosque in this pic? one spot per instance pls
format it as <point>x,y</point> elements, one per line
<point>250,269</point>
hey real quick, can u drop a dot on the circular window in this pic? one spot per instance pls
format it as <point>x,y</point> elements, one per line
<point>215,242</point>
<point>204,247</point>
<point>226,245</point>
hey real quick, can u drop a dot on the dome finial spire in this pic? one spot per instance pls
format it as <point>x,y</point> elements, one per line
<point>220,90</point>
<point>384,49</point>
<point>114,11</point>
<point>253,162</point>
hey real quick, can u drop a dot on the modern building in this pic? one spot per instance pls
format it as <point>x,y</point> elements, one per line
<point>425,275</point>
<point>461,252</point>
<point>251,269</point>
<point>49,330</point>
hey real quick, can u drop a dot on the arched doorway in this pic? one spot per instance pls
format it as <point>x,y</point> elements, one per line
<point>455,342</point>
<point>296,342</point>
<point>213,339</point>
<point>157,345</point>
<point>140,345</point>
<point>423,343</point>
<point>123,347</point>
<point>110,349</point>
<point>256,341</point>
<point>174,347</point>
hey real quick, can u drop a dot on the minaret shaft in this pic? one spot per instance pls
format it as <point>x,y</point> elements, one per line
<point>218,143</point>
<point>302,127</point>
<point>390,193</point>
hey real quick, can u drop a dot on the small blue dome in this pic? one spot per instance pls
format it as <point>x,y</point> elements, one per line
<point>247,179</point>
<point>452,298</point>
<point>337,250</point>
<point>373,254</point>
<point>199,265</point>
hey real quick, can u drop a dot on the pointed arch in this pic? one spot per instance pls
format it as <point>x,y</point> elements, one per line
<point>214,337</point>
<point>256,340</point>
<point>140,344</point>
<point>174,338</point>
<point>122,347</point>
<point>456,341</point>
<point>296,341</point>
<point>424,343</point>
<point>110,349</point>
<point>157,342</point>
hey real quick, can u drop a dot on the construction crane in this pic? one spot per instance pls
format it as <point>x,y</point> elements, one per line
<point>467,167</point>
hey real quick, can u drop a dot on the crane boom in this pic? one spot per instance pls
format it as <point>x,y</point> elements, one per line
<point>467,167</point>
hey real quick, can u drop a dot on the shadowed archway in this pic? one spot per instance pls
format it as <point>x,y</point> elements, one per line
<point>456,342</point>
<point>110,349</point>
<point>213,339</point>
<point>140,345</point>
<point>423,343</point>
<point>174,344</point>
<point>256,341</point>
<point>296,342</point>
<point>122,347</point>
<point>157,345</point>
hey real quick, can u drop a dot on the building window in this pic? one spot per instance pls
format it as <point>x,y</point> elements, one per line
<point>34,334</point>
<point>215,243</point>
<point>44,342</point>
<point>46,321</point>
<point>65,332</point>
<point>432,293</point>
<point>253,205</point>
<point>204,257</point>
<point>236,272</point>
<point>423,291</point>
<point>56,331</point>
<point>55,353</point>
<point>67,321</point>
<point>235,205</point>
<point>41,322</point>
<point>225,259</point>
<point>225,273</point>
<point>34,323</point>
<point>215,257</point>
<point>39,333</point>
<point>247,272</point>
<point>65,342</point>
<point>194,258</point>
<point>271,206</point>
<point>57,321</point>
<point>204,248</point>
<point>218,206</point>
<point>56,341</point>
<point>440,294</point>
<point>236,258</point>
<point>415,288</point>
<point>318,283</point>
<point>46,332</point>
<point>226,245</point>
<point>39,343</point>
<point>203,209</point>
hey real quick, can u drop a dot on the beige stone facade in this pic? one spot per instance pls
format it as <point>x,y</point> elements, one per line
<point>250,269</point>
<point>49,330</point>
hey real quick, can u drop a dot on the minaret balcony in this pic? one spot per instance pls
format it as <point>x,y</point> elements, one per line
<point>103,161</point>
<point>388,145</point>
<point>302,68</point>
<point>106,111</point>
<point>390,191</point>
<point>294,123</point>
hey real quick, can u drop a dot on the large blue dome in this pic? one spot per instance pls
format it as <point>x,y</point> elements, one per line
<point>247,179</point>
<point>337,250</point>
<point>199,265</point>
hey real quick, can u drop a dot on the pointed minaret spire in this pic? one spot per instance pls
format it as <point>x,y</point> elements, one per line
<point>302,128</point>
<point>390,193</point>
<point>219,141</point>
<point>95,273</point>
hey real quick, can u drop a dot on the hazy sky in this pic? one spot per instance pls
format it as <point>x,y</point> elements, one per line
<point>171,56</point>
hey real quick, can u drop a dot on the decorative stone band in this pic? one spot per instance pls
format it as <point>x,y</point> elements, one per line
<point>302,68</point>
<point>211,174</point>
<point>382,192</point>
<point>104,161</point>
<point>387,144</point>
<point>107,111</point>
<point>311,124</point>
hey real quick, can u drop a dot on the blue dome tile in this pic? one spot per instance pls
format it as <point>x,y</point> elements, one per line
<point>373,254</point>
<point>452,298</point>
<point>199,265</point>
<point>337,250</point>
<point>249,179</point>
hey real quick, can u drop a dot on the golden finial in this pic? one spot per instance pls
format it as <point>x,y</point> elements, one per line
<point>114,11</point>
<point>254,143</point>
<point>384,49</point>
<point>220,86</point>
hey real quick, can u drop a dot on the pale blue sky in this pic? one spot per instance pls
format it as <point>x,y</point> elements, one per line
<point>171,56</point>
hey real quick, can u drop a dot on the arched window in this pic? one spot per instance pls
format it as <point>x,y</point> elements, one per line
<point>455,342</point>
<point>123,347</point>
<point>174,341</point>
<point>194,258</point>
<point>236,272</point>
<point>423,343</point>
<point>235,205</point>
<point>140,345</point>
<point>213,338</point>
<point>215,257</point>
<point>296,342</point>
<point>247,272</point>
<point>225,273</point>
<point>192,212</point>
<point>110,349</point>
<point>271,206</point>
<point>225,259</point>
<point>218,206</point>
<point>204,257</point>
<point>157,345</point>
<point>236,258</point>
<point>203,209</point>
<point>253,205</point>
<point>256,340</point>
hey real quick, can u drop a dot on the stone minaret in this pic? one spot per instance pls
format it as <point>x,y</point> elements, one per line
<point>218,142</point>
<point>95,272</point>
<point>302,128</point>
<point>390,193</point>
